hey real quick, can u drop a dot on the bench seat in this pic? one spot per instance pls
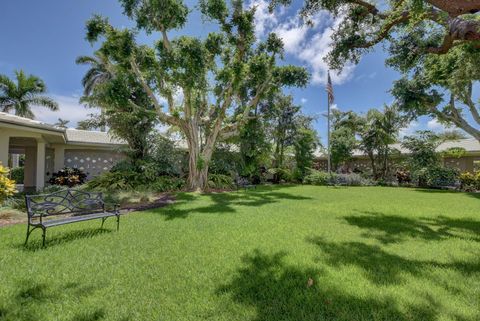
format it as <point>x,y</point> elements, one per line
<point>75,218</point>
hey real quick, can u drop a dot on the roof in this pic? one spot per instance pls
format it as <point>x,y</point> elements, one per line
<point>92,137</point>
<point>17,120</point>
<point>74,136</point>
<point>471,145</point>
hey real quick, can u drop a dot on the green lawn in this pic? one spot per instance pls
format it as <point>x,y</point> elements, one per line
<point>373,254</point>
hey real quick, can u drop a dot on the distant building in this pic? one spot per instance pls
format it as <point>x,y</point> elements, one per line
<point>470,161</point>
<point>48,148</point>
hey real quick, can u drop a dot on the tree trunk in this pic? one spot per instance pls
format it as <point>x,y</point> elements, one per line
<point>197,168</point>
<point>374,167</point>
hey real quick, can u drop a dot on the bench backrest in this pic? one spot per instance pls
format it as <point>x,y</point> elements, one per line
<point>64,202</point>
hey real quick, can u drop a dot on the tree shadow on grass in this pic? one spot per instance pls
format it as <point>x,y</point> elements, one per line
<point>35,244</point>
<point>393,228</point>
<point>27,303</point>
<point>278,291</point>
<point>381,267</point>
<point>227,202</point>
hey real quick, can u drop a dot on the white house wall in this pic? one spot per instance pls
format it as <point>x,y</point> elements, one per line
<point>92,162</point>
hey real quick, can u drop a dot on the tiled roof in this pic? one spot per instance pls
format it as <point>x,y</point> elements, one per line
<point>94,137</point>
<point>71,135</point>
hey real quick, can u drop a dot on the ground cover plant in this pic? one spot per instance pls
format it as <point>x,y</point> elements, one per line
<point>277,253</point>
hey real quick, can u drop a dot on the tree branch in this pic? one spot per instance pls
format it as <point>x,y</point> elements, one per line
<point>158,107</point>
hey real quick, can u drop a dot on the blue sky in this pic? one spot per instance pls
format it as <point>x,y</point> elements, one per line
<point>45,37</point>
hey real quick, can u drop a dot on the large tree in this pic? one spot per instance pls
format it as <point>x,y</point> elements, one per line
<point>422,26</point>
<point>20,95</point>
<point>204,87</point>
<point>441,86</point>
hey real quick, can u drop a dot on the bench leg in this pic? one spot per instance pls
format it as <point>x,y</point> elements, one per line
<point>103,221</point>
<point>44,234</point>
<point>28,234</point>
<point>118,222</point>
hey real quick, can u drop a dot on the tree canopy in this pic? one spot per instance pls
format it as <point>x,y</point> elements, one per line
<point>205,87</point>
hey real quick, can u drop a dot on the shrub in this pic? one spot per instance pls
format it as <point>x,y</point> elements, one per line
<point>352,179</point>
<point>68,177</point>
<point>440,176</point>
<point>469,181</point>
<point>7,186</point>
<point>17,174</point>
<point>319,178</point>
<point>219,181</point>
<point>111,181</point>
<point>165,184</point>
<point>281,174</point>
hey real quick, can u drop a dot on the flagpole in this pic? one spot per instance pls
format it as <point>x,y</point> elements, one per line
<point>329,166</point>
<point>329,99</point>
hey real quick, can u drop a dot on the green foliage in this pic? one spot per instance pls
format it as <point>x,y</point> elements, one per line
<point>342,145</point>
<point>454,152</point>
<point>164,184</point>
<point>68,177</point>
<point>21,95</point>
<point>167,157</point>
<point>225,161</point>
<point>323,178</point>
<point>319,178</point>
<point>113,181</point>
<point>282,174</point>
<point>254,149</point>
<point>377,131</point>
<point>440,176</point>
<point>422,148</point>
<point>469,181</point>
<point>219,181</point>
<point>18,174</point>
<point>305,144</point>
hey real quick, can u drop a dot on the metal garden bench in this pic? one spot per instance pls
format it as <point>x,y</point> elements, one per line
<point>65,207</point>
<point>242,182</point>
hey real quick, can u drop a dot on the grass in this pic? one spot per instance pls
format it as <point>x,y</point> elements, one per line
<point>286,253</point>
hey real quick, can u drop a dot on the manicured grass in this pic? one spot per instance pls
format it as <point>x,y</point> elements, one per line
<point>371,253</point>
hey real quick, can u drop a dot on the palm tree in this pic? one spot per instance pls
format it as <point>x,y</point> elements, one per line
<point>98,74</point>
<point>62,123</point>
<point>22,95</point>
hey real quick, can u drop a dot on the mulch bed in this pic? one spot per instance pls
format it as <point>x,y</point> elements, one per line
<point>161,201</point>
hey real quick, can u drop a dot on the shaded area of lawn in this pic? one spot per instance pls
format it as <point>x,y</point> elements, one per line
<point>277,253</point>
<point>279,291</point>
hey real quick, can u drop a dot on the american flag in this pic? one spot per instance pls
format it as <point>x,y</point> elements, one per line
<point>329,90</point>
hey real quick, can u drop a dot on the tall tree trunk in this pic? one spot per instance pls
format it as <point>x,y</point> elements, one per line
<point>374,166</point>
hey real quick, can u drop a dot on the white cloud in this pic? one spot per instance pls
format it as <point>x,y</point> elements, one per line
<point>303,100</point>
<point>293,33</point>
<point>69,109</point>
<point>410,129</point>
<point>264,20</point>
<point>435,125</point>
<point>308,44</point>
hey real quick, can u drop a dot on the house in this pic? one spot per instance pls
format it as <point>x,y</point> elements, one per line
<point>48,148</point>
<point>468,162</point>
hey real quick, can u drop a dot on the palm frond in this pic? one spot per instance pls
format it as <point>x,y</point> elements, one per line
<point>44,101</point>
